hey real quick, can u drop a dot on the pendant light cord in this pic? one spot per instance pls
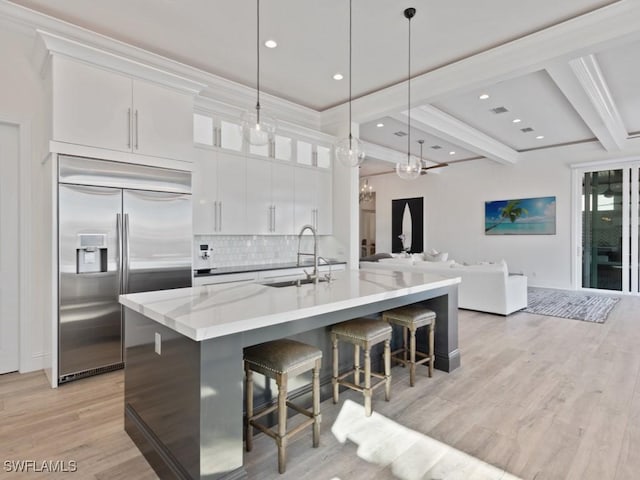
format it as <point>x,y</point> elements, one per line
<point>409,99</point>
<point>350,39</point>
<point>258,61</point>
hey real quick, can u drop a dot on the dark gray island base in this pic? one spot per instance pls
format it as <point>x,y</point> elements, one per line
<point>184,406</point>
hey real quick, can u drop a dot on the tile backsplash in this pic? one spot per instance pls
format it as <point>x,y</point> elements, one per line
<point>239,250</point>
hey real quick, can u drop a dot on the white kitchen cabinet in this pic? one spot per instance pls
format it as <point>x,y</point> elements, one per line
<point>270,197</point>
<point>323,156</point>
<point>305,197</point>
<point>229,134</point>
<point>99,108</point>
<point>232,201</point>
<point>304,153</point>
<point>313,202</point>
<point>91,106</point>
<point>219,194</point>
<point>259,192</point>
<point>282,198</point>
<point>283,148</point>
<point>324,203</point>
<point>204,196</point>
<point>162,121</point>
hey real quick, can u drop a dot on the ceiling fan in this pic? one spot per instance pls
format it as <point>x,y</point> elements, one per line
<point>423,169</point>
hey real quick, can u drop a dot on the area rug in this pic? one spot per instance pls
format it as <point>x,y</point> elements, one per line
<point>567,304</point>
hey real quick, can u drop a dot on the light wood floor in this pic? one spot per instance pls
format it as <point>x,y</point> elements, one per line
<point>541,397</point>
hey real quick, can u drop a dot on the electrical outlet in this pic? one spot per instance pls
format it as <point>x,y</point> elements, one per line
<point>158,344</point>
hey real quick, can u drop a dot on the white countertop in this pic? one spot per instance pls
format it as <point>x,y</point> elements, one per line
<point>211,311</point>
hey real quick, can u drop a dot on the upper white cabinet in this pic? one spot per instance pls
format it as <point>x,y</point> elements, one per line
<point>232,201</point>
<point>270,197</point>
<point>219,194</point>
<point>96,107</point>
<point>313,200</point>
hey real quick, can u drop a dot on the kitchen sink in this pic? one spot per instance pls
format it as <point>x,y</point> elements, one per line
<point>294,283</point>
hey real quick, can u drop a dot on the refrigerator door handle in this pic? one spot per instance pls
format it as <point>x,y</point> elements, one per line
<point>125,262</point>
<point>119,251</point>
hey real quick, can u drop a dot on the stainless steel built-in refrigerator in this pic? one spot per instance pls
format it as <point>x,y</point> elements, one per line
<point>122,228</point>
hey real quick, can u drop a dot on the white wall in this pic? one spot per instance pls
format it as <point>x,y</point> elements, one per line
<point>454,210</point>
<point>22,99</point>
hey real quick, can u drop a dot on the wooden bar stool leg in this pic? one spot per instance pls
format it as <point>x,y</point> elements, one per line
<point>405,345</point>
<point>356,364</point>
<point>387,369</point>
<point>334,380</point>
<point>412,353</point>
<point>249,393</point>
<point>367,381</point>
<point>282,422</point>
<point>316,404</point>
<point>431,350</point>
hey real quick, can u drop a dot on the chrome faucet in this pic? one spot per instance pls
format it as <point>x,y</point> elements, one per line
<point>327,276</point>
<point>314,276</point>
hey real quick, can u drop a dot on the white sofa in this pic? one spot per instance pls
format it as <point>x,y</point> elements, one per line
<point>484,287</point>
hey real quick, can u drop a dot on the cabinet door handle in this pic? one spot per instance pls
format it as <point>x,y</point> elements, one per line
<point>129,128</point>
<point>215,216</point>
<point>274,218</point>
<point>220,216</point>
<point>137,133</point>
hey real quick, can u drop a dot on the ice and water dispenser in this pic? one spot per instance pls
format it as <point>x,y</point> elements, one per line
<point>91,253</point>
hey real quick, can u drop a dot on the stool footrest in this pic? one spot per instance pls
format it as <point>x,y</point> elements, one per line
<point>360,388</point>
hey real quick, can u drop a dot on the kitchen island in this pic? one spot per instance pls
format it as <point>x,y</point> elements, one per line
<point>183,363</point>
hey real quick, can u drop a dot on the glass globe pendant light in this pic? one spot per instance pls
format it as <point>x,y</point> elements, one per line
<point>349,150</point>
<point>409,170</point>
<point>257,128</point>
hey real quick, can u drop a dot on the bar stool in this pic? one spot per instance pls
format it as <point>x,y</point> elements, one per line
<point>362,333</point>
<point>280,360</point>
<point>410,318</point>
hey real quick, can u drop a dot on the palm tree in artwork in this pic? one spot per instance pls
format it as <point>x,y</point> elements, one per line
<point>511,211</point>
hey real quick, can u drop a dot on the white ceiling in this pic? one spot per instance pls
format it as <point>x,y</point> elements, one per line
<point>218,36</point>
<point>568,69</point>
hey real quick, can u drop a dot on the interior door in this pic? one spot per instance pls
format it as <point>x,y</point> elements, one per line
<point>157,240</point>
<point>9,305</point>
<point>90,326</point>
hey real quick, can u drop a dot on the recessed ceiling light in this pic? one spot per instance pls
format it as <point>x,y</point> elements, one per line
<point>338,76</point>
<point>379,125</point>
<point>484,96</point>
<point>271,44</point>
<point>539,137</point>
<point>452,153</point>
<point>516,120</point>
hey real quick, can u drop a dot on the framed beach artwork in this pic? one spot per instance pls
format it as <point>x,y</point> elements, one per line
<point>522,216</point>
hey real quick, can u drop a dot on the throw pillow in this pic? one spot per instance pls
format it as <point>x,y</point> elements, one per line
<point>438,257</point>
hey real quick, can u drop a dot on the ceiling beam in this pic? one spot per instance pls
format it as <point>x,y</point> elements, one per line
<point>589,75</point>
<point>609,26</point>
<point>581,81</point>
<point>442,125</point>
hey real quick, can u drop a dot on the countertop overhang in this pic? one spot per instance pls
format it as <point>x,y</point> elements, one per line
<point>212,311</point>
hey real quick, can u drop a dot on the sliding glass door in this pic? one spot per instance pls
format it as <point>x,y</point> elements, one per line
<point>609,220</point>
